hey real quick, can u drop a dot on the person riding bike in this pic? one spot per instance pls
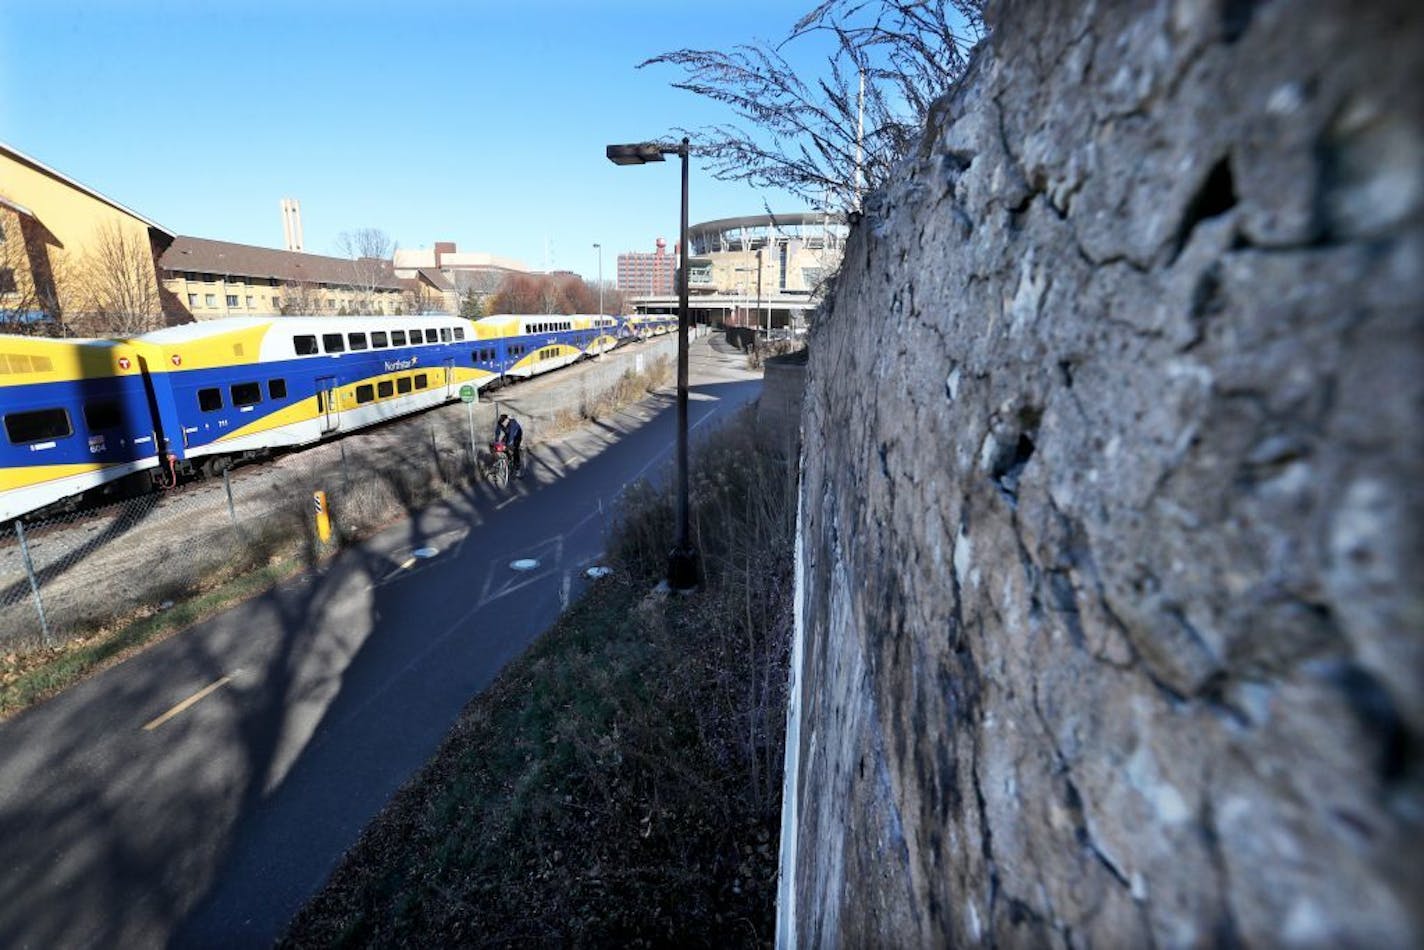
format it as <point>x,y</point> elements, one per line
<point>511,433</point>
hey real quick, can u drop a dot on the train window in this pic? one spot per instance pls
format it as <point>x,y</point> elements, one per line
<point>246,394</point>
<point>104,414</point>
<point>304,345</point>
<point>333,342</point>
<point>397,338</point>
<point>403,384</point>
<point>415,337</point>
<point>459,333</point>
<point>276,389</point>
<point>365,393</point>
<point>420,381</point>
<point>210,400</point>
<point>385,388</point>
<point>40,425</point>
<point>378,339</point>
<point>357,341</point>
<point>444,334</point>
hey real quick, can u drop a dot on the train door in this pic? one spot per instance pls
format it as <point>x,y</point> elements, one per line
<point>327,405</point>
<point>449,379</point>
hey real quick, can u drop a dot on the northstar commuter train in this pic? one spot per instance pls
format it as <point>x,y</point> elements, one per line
<point>81,414</point>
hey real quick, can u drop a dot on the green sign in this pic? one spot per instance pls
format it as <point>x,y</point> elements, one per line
<point>467,394</point>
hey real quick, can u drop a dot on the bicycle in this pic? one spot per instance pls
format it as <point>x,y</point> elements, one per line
<point>498,468</point>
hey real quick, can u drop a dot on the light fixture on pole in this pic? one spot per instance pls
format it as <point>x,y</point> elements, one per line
<point>683,567</point>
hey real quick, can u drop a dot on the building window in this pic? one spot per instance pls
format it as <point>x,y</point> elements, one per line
<point>250,304</point>
<point>192,301</point>
<point>7,279</point>
<point>276,303</point>
<point>232,300</point>
<point>208,278</point>
<point>210,300</point>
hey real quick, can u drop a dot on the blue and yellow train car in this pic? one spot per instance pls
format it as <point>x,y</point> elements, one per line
<point>538,343</point>
<point>77,415</point>
<point>80,414</point>
<point>241,387</point>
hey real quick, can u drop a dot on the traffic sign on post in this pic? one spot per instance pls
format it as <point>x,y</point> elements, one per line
<point>467,393</point>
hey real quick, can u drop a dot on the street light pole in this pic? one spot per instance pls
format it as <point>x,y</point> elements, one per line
<point>768,313</point>
<point>683,566</point>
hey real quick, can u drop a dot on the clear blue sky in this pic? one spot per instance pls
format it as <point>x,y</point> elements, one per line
<point>479,122</point>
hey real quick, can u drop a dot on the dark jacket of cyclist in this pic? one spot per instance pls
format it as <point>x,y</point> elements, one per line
<point>511,433</point>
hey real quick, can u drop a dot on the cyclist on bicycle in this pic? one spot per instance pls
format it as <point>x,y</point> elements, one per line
<point>511,433</point>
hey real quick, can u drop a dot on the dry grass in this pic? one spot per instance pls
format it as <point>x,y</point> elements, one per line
<point>620,783</point>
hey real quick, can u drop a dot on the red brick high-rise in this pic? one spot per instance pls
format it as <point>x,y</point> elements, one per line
<point>648,275</point>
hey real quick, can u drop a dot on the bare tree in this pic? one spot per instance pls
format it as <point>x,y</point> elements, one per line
<point>301,297</point>
<point>824,139</point>
<point>116,284</point>
<point>371,251</point>
<point>545,293</point>
<point>420,297</point>
<point>29,301</point>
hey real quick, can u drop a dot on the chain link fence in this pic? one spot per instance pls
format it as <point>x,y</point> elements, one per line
<point>73,573</point>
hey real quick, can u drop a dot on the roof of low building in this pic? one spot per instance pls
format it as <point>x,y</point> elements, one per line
<point>246,260</point>
<point>437,280</point>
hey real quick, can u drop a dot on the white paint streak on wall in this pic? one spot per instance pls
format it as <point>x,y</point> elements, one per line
<point>786,886</point>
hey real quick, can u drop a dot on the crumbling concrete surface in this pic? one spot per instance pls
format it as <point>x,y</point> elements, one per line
<point>1111,614</point>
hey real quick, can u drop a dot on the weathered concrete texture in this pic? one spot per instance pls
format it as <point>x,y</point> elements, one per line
<point>1114,482</point>
<point>783,393</point>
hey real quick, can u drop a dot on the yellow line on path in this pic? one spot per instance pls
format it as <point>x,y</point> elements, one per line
<point>193,700</point>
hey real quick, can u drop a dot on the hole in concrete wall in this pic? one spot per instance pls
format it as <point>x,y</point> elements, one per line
<point>1215,197</point>
<point>1380,719</point>
<point>1010,466</point>
<point>1236,18</point>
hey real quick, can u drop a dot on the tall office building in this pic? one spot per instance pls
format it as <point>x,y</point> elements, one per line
<point>641,274</point>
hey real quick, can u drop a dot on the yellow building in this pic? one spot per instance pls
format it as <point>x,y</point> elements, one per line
<point>73,261</point>
<point>212,279</point>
